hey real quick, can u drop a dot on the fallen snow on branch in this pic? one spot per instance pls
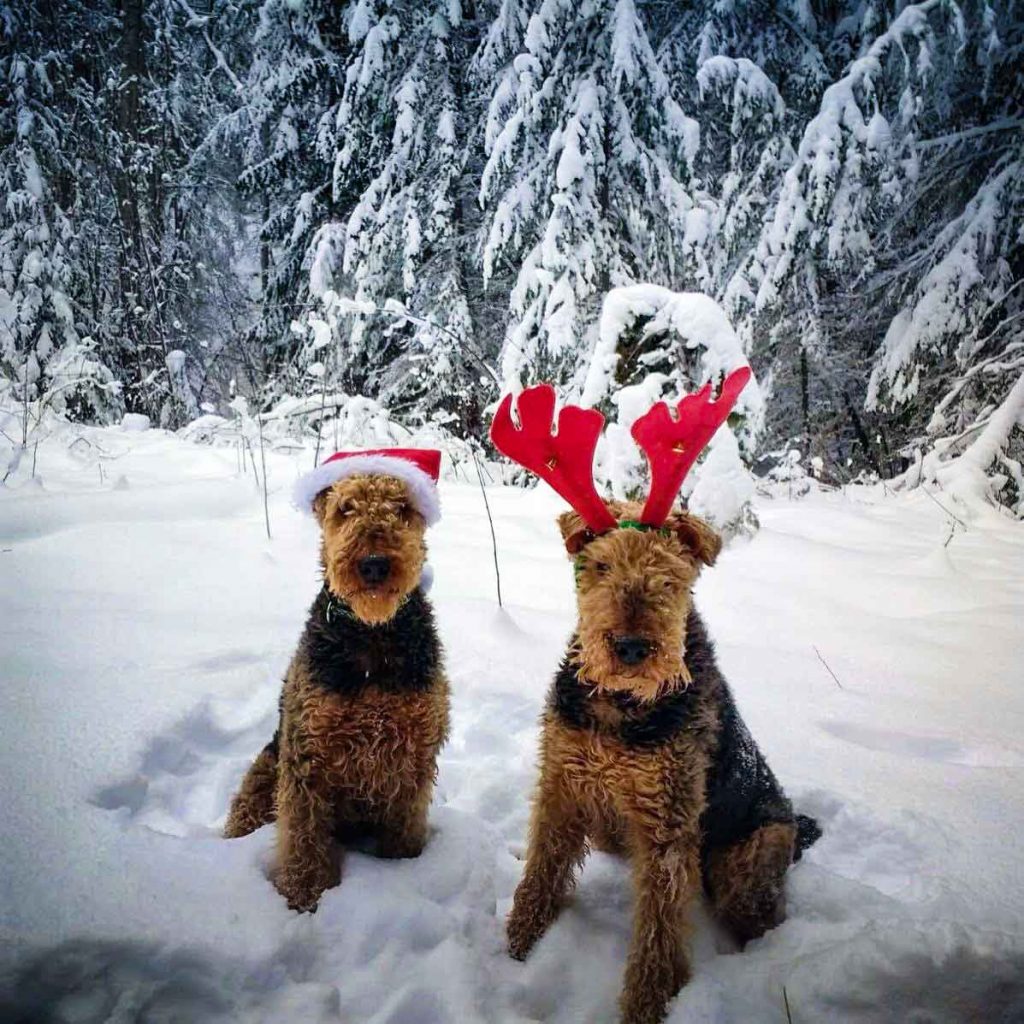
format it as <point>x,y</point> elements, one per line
<point>976,475</point>
<point>699,347</point>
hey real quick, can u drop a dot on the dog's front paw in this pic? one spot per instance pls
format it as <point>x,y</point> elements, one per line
<point>643,1007</point>
<point>649,989</point>
<point>241,823</point>
<point>302,889</point>
<point>524,927</point>
<point>401,845</point>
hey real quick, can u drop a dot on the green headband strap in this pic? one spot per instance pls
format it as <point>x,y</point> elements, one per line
<point>635,524</point>
<point>624,524</point>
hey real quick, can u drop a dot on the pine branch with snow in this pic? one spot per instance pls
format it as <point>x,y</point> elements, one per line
<point>654,345</point>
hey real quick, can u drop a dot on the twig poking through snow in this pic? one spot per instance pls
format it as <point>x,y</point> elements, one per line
<point>490,522</point>
<point>785,997</point>
<point>830,672</point>
<point>263,459</point>
<point>959,522</point>
<point>259,488</point>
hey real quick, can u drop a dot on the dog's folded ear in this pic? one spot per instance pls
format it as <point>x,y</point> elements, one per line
<point>697,536</point>
<point>319,505</point>
<point>575,532</point>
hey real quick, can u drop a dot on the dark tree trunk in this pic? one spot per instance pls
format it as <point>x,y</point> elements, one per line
<point>805,393</point>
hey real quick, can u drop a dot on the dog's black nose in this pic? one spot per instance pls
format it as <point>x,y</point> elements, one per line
<point>631,650</point>
<point>374,568</point>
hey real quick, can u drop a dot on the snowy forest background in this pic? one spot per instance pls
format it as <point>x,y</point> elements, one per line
<point>379,212</point>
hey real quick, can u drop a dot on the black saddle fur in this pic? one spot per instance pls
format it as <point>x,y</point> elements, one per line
<point>742,792</point>
<point>345,654</point>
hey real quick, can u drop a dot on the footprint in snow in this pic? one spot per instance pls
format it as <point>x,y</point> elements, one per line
<point>884,858</point>
<point>419,1006</point>
<point>943,749</point>
<point>186,776</point>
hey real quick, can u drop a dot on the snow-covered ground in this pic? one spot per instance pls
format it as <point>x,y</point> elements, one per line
<point>145,621</point>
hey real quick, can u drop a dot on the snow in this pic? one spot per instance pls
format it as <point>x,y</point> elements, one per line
<point>723,487</point>
<point>966,477</point>
<point>135,421</point>
<point>175,360</point>
<point>751,88</point>
<point>567,142</point>
<point>145,624</point>
<point>722,483</point>
<point>618,462</point>
<point>825,183</point>
<point>697,318</point>
<point>947,291</point>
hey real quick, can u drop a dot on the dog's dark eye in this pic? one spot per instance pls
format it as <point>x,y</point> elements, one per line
<point>600,568</point>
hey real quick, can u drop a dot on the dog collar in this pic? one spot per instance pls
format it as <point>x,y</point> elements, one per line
<point>338,609</point>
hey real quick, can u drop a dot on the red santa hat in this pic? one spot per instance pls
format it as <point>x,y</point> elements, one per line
<point>419,468</point>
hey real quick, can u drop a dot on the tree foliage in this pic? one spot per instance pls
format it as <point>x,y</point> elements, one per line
<point>195,188</point>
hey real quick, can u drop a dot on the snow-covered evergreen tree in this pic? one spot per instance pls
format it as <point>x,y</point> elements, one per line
<point>653,345</point>
<point>45,350</point>
<point>585,185</point>
<point>832,237</point>
<point>293,82</point>
<point>950,367</point>
<point>403,238</point>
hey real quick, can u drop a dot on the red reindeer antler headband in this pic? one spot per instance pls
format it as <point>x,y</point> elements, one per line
<point>670,439</point>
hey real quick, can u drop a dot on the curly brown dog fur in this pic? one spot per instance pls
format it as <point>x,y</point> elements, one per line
<point>364,709</point>
<point>651,760</point>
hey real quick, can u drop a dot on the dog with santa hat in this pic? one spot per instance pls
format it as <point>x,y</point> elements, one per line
<point>364,708</point>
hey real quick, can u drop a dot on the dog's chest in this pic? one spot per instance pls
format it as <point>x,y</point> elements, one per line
<point>377,735</point>
<point>634,723</point>
<point>604,774</point>
<point>342,655</point>
<point>626,768</point>
<point>351,670</point>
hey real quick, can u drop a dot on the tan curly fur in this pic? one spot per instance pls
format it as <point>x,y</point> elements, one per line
<point>596,791</point>
<point>254,803</point>
<point>350,762</point>
<point>643,802</point>
<point>370,515</point>
<point>365,764</point>
<point>632,582</point>
<point>745,881</point>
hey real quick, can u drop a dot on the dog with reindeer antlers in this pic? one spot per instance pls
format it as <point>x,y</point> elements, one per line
<point>643,752</point>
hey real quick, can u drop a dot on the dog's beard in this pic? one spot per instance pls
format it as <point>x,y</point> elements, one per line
<point>374,605</point>
<point>661,671</point>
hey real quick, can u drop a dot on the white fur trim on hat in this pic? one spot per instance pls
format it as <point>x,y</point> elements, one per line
<point>422,489</point>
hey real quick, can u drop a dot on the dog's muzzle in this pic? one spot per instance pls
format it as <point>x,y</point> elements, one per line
<point>374,569</point>
<point>631,650</point>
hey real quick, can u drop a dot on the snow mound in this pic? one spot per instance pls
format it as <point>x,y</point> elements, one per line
<point>144,634</point>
